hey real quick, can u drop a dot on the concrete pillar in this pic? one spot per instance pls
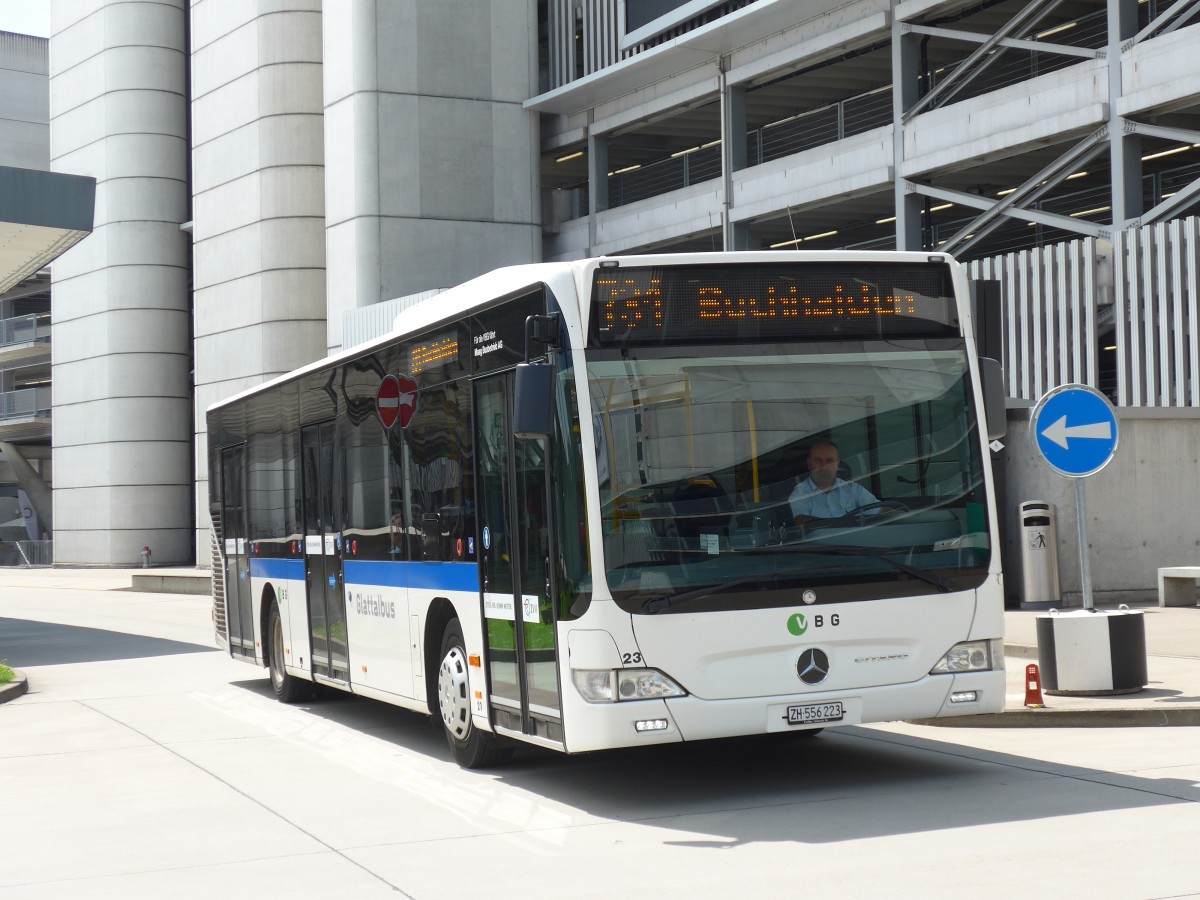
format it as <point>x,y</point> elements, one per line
<point>431,161</point>
<point>121,355</point>
<point>259,203</point>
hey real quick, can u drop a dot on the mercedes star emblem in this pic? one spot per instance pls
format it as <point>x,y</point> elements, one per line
<point>813,666</point>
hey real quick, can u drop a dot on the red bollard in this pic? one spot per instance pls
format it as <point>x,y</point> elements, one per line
<point>1033,687</point>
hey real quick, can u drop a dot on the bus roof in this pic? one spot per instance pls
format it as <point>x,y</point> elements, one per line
<point>511,279</point>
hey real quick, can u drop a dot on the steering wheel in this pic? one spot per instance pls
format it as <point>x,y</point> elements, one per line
<point>883,507</point>
<point>858,515</point>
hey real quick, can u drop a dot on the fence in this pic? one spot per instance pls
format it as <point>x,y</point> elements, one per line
<point>26,554</point>
<point>1122,317</point>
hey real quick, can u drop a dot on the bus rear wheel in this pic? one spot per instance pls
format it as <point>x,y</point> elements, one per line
<point>288,688</point>
<point>472,748</point>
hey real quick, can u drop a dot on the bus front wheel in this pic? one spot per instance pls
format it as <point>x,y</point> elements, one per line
<point>472,748</point>
<point>288,688</point>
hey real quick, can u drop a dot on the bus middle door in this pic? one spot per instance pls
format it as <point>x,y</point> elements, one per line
<point>323,554</point>
<point>514,528</point>
<point>239,604</point>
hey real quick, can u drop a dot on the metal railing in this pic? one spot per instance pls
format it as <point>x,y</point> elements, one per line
<point>25,329</point>
<point>27,403</point>
<point>26,554</point>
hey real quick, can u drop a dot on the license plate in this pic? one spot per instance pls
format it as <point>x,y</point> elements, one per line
<point>816,713</point>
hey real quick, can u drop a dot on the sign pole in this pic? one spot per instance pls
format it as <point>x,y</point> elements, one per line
<point>1085,572</point>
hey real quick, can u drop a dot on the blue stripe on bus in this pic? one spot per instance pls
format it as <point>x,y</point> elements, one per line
<point>437,576</point>
<point>445,576</point>
<point>277,569</point>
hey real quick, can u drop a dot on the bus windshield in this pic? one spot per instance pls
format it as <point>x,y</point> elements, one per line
<point>704,455</point>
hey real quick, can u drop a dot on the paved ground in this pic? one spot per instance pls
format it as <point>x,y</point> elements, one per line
<point>1171,697</point>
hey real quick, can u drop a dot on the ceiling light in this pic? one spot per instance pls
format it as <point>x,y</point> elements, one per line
<point>1006,193</point>
<point>1056,30</point>
<point>680,153</point>
<point>786,243</point>
<point>823,234</point>
<point>1090,212</point>
<point>940,208</point>
<point>570,156</point>
<point>885,221</point>
<point>1162,153</point>
<point>1076,175</point>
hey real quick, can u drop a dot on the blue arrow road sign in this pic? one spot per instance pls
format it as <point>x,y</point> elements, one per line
<point>1075,429</point>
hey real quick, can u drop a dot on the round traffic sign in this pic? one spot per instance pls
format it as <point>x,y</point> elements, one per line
<point>396,400</point>
<point>387,400</point>
<point>407,399</point>
<point>1074,427</point>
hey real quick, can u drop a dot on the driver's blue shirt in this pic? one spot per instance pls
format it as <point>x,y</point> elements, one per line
<point>809,500</point>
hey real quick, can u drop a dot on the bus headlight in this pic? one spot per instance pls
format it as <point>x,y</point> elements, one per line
<point>971,656</point>
<point>615,685</point>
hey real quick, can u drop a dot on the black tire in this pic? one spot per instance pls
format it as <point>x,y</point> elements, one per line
<point>288,688</point>
<point>471,748</point>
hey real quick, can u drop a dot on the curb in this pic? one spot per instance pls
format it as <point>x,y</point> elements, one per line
<point>15,688</point>
<point>1050,717</point>
<point>1072,718</point>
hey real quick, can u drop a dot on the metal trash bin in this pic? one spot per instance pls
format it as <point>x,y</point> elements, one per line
<point>1039,554</point>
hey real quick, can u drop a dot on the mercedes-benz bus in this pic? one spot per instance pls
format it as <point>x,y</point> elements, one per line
<point>558,504</point>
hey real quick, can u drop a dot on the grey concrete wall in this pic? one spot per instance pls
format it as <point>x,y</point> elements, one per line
<point>122,397</point>
<point>1143,509</point>
<point>259,206</point>
<point>24,101</point>
<point>431,166</point>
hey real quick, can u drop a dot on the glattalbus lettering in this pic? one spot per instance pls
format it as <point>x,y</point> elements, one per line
<point>374,606</point>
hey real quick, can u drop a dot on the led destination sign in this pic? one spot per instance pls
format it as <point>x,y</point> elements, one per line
<point>800,301</point>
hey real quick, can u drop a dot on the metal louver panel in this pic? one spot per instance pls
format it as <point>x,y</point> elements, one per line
<point>218,579</point>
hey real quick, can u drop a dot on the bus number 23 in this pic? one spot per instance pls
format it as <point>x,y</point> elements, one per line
<point>628,658</point>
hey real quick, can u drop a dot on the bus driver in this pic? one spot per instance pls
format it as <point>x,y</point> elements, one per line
<point>822,495</point>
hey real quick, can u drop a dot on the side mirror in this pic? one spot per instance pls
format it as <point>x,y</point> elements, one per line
<point>531,400</point>
<point>992,376</point>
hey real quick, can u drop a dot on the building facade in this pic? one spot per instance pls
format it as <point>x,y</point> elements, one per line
<point>267,169</point>
<point>41,215</point>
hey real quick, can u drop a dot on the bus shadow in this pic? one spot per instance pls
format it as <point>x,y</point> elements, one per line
<point>24,644</point>
<point>845,784</point>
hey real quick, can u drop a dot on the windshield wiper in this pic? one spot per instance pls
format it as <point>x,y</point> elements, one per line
<point>938,582</point>
<point>662,601</point>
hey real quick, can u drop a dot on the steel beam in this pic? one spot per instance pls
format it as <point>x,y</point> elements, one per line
<point>974,37</point>
<point>982,56</point>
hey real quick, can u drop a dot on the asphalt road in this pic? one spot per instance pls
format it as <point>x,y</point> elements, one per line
<point>143,763</point>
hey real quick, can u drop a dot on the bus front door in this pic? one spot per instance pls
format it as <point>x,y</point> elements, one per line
<point>323,554</point>
<point>514,530</point>
<point>239,613</point>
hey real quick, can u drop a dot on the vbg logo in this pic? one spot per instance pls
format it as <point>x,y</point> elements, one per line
<point>797,624</point>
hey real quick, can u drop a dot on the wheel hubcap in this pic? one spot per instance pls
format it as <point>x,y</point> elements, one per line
<point>453,694</point>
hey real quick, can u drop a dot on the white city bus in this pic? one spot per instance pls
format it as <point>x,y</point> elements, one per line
<point>554,505</point>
